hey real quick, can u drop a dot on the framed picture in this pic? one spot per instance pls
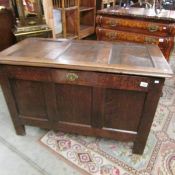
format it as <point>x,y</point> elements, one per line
<point>29,12</point>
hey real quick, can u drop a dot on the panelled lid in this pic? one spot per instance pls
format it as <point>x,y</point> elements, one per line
<point>166,15</point>
<point>118,57</point>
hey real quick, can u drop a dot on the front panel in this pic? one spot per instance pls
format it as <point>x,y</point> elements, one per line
<point>29,98</point>
<point>123,109</point>
<point>73,104</point>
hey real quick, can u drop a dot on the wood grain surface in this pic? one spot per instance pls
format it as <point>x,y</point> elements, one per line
<point>86,87</point>
<point>89,55</point>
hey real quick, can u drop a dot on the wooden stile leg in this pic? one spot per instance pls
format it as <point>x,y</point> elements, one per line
<point>20,129</point>
<point>149,110</point>
<point>5,84</point>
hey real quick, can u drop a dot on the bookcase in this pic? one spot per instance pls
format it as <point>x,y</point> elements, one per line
<point>77,17</point>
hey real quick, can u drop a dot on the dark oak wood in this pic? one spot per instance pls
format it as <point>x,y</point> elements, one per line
<point>105,89</point>
<point>149,110</point>
<point>5,84</point>
<point>138,25</point>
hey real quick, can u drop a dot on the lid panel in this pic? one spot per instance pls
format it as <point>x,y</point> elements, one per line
<point>131,55</point>
<point>118,57</point>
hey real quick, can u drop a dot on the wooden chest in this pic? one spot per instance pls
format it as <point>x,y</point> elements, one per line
<point>137,25</point>
<point>86,87</point>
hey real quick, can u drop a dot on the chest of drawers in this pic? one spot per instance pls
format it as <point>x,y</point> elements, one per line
<point>137,25</point>
<point>85,87</point>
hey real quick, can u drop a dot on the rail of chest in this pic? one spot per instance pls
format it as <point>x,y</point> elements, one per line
<point>84,78</point>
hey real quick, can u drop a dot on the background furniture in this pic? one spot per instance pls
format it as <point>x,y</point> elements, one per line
<point>42,31</point>
<point>5,3</point>
<point>78,17</point>
<point>30,19</point>
<point>101,4</point>
<point>29,12</point>
<point>7,24</point>
<point>86,87</point>
<point>137,25</point>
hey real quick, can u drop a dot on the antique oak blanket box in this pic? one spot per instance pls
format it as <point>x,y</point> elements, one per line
<point>88,87</point>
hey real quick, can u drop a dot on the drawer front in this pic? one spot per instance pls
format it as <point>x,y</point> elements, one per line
<point>153,28</point>
<point>115,35</point>
<point>96,79</point>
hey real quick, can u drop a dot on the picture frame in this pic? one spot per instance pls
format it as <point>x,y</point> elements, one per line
<point>29,12</point>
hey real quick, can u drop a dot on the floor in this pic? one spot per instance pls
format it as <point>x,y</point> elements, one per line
<point>24,154</point>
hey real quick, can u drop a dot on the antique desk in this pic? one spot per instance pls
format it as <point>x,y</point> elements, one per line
<point>137,25</point>
<point>86,87</point>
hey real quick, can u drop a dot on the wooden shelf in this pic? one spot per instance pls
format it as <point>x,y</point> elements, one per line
<point>69,36</point>
<point>83,9</point>
<point>77,17</point>
<point>67,9</point>
<point>85,31</point>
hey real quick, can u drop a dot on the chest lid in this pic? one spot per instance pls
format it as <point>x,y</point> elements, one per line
<point>121,57</point>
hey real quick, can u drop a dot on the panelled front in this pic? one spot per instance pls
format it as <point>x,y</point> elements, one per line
<point>74,98</point>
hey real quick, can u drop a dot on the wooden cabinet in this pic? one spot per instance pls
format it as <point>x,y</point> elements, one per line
<point>77,17</point>
<point>41,31</point>
<point>84,87</point>
<point>7,24</point>
<point>101,4</point>
<point>137,25</point>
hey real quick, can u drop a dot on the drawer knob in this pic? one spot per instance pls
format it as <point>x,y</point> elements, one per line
<point>71,76</point>
<point>153,28</point>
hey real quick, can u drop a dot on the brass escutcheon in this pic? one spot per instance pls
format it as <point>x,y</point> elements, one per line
<point>153,28</point>
<point>71,76</point>
<point>112,23</point>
